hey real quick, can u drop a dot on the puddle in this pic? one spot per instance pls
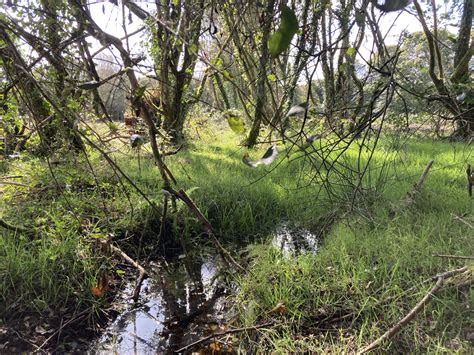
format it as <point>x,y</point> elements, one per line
<point>294,241</point>
<point>179,304</point>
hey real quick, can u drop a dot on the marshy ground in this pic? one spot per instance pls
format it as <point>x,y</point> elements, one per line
<point>324,271</point>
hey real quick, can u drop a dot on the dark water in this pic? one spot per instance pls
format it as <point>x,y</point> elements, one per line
<point>182,302</point>
<point>179,304</point>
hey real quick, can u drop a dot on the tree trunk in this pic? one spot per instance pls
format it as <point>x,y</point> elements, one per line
<point>264,57</point>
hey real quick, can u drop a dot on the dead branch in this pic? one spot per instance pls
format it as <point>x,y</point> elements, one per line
<point>420,182</point>
<point>446,274</point>
<point>463,221</point>
<point>410,197</point>
<point>453,256</point>
<point>141,270</point>
<point>11,227</point>
<point>413,312</point>
<point>69,322</point>
<point>230,331</point>
<point>13,183</point>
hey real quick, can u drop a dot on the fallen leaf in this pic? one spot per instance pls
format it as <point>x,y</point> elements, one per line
<point>102,286</point>
<point>214,347</point>
<point>279,308</point>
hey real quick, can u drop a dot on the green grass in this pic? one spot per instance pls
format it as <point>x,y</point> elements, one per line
<point>371,257</point>
<point>365,257</point>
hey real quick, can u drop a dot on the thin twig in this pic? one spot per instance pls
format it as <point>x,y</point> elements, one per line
<point>230,331</point>
<point>453,256</point>
<point>141,270</point>
<point>72,320</point>
<point>13,183</point>
<point>470,179</point>
<point>181,194</point>
<point>385,300</point>
<point>413,312</point>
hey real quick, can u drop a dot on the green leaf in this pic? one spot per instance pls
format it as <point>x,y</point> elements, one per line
<point>227,74</point>
<point>289,23</point>
<point>217,62</point>
<point>351,52</point>
<point>280,40</point>
<point>271,77</point>
<point>194,48</point>
<point>343,67</point>
<point>237,124</point>
<point>277,43</point>
<point>139,91</point>
<point>360,18</point>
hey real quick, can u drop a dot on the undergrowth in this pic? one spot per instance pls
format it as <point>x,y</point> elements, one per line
<point>370,268</point>
<point>365,256</point>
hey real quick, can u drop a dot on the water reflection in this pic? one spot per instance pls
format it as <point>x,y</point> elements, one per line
<point>294,241</point>
<point>181,302</point>
<point>172,299</point>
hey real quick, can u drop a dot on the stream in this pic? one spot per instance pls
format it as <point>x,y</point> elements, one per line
<point>182,302</point>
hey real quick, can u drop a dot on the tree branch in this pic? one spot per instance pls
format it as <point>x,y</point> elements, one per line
<point>413,312</point>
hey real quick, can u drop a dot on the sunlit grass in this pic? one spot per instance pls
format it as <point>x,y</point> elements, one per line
<point>366,256</point>
<point>371,257</point>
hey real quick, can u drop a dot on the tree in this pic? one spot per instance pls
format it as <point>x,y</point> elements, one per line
<point>454,89</point>
<point>175,33</point>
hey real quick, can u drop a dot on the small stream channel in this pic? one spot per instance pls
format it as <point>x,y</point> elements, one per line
<point>182,302</point>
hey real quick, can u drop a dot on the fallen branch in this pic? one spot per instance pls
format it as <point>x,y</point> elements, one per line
<point>13,183</point>
<point>446,274</point>
<point>463,221</point>
<point>453,256</point>
<point>11,227</point>
<point>230,331</point>
<point>410,197</point>
<point>141,270</point>
<point>69,322</point>
<point>413,312</point>
<point>420,182</point>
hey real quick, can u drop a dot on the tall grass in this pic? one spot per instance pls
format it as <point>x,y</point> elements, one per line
<point>366,256</point>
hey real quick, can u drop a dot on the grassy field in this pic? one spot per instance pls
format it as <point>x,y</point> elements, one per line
<point>374,251</point>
